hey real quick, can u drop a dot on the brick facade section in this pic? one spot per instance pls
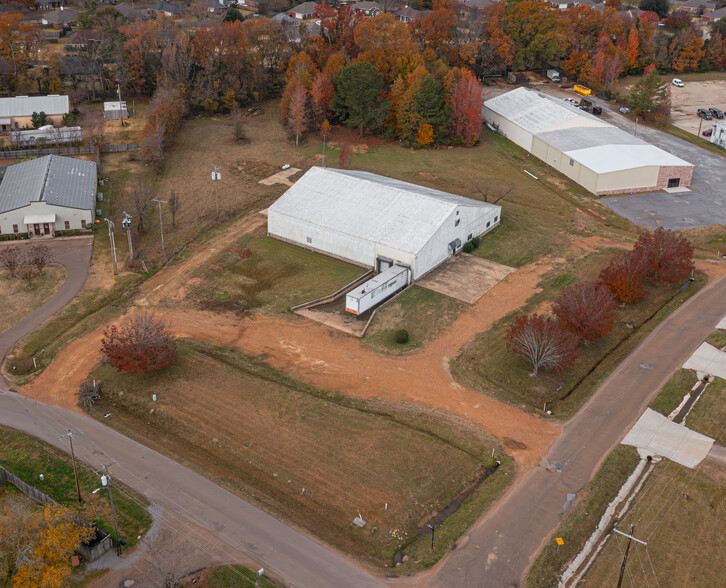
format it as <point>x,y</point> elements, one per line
<point>665,173</point>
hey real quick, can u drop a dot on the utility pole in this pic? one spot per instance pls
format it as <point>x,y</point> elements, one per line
<point>106,483</point>
<point>126,225</point>
<point>120,104</point>
<point>627,550</point>
<point>324,134</point>
<point>69,434</point>
<point>161,222</point>
<point>216,176</point>
<point>113,245</point>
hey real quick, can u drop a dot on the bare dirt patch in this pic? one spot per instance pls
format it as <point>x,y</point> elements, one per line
<point>18,302</point>
<point>694,95</point>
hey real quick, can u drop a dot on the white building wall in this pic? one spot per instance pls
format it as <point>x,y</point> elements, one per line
<point>321,238</point>
<point>628,179</point>
<point>510,130</point>
<point>472,221</point>
<point>74,216</point>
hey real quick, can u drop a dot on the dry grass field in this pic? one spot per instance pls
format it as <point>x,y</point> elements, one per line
<point>313,458</point>
<point>19,302</point>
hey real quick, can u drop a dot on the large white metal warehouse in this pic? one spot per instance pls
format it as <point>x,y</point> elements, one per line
<point>597,155</point>
<point>377,221</point>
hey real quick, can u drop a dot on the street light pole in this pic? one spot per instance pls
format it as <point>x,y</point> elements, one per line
<point>113,245</point>
<point>216,176</point>
<point>161,222</point>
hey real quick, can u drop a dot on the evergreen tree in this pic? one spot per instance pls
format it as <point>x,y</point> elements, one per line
<point>356,99</point>
<point>430,105</point>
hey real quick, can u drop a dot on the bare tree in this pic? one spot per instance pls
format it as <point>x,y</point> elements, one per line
<point>543,341</point>
<point>239,129</point>
<point>496,194</point>
<point>40,256</point>
<point>89,393</point>
<point>27,273</point>
<point>151,146</point>
<point>174,205</point>
<point>11,258</point>
<point>168,562</point>
<point>141,195</point>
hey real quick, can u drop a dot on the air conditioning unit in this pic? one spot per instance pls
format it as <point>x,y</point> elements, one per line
<point>99,196</point>
<point>98,212</point>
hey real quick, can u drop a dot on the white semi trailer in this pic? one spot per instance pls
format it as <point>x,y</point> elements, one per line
<point>553,75</point>
<point>376,290</point>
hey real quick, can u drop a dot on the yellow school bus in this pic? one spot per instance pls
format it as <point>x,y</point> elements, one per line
<point>582,90</point>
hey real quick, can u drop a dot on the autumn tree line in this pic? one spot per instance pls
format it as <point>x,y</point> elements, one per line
<point>585,312</point>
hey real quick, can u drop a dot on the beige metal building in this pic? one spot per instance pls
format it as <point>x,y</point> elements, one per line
<point>597,155</point>
<point>16,112</point>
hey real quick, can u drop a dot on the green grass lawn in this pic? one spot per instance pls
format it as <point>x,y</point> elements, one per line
<point>423,313</point>
<point>236,577</point>
<point>671,395</point>
<point>269,275</point>
<point>28,457</point>
<point>485,364</point>
<point>708,415</point>
<point>262,432</point>
<point>582,518</point>
<point>717,339</point>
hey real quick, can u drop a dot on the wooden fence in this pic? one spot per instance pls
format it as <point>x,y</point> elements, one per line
<point>99,544</point>
<point>73,150</point>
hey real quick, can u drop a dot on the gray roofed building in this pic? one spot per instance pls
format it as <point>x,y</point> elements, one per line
<point>303,11</point>
<point>714,16</point>
<point>47,194</point>
<point>128,11</point>
<point>409,14</point>
<point>168,8</point>
<point>362,216</point>
<point>60,18</point>
<point>17,112</point>
<point>368,8</point>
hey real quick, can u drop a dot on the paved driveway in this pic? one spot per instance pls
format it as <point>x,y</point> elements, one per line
<point>702,206</point>
<point>74,254</point>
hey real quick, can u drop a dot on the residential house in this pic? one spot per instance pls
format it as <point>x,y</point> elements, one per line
<point>408,14</point>
<point>718,136</point>
<point>60,19</point>
<point>48,4</point>
<point>714,16</point>
<point>303,11</point>
<point>17,112</point>
<point>79,40</point>
<point>696,6</point>
<point>172,9</point>
<point>46,194</point>
<point>128,11</point>
<point>218,6</point>
<point>368,8</point>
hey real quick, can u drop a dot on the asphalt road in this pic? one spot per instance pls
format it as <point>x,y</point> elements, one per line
<point>290,555</point>
<point>75,255</point>
<point>702,206</point>
<point>499,550</point>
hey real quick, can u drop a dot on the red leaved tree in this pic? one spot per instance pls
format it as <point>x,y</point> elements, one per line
<point>466,111</point>
<point>542,341</point>
<point>587,310</point>
<point>666,256</point>
<point>320,96</point>
<point>296,115</point>
<point>624,277</point>
<point>141,344</point>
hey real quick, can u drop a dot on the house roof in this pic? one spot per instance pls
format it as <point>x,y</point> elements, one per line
<point>412,13</point>
<point>61,181</point>
<point>695,4</point>
<point>367,206</point>
<point>366,5</point>
<point>716,14</point>
<point>81,37</point>
<point>304,8</point>
<point>61,17</point>
<point>26,105</point>
<point>128,11</point>
<point>170,7</point>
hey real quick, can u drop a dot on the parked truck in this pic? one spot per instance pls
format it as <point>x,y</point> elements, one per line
<point>553,75</point>
<point>376,290</point>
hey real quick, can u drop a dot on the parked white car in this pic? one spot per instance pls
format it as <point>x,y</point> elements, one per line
<point>677,82</point>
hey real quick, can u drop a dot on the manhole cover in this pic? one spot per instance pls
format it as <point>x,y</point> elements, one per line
<point>645,365</point>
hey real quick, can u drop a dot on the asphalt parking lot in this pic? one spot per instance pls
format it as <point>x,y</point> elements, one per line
<point>702,206</point>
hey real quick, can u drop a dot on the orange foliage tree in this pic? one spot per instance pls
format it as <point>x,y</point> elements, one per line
<point>666,256</point>
<point>587,310</point>
<point>624,277</point>
<point>466,111</point>
<point>425,135</point>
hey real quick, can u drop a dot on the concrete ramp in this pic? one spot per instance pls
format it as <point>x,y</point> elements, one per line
<point>708,360</point>
<point>656,434</point>
<point>722,324</point>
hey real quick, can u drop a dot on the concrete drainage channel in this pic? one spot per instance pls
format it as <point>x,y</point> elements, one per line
<point>619,506</point>
<point>438,519</point>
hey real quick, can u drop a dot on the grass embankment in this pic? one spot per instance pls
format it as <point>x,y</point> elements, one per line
<point>313,458</point>
<point>421,312</point>
<point>235,577</point>
<point>677,510</point>
<point>28,457</point>
<point>19,302</point>
<point>582,518</point>
<point>695,139</point>
<point>485,364</point>
<point>268,275</point>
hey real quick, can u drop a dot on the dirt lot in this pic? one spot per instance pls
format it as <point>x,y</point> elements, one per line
<point>19,302</point>
<point>694,95</point>
<point>262,432</point>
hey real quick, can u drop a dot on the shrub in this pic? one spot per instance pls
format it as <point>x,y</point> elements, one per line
<point>468,247</point>
<point>475,242</point>
<point>400,336</point>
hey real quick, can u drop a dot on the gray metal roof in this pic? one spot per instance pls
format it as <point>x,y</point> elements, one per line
<point>61,181</point>
<point>584,137</point>
<point>390,212</point>
<point>26,105</point>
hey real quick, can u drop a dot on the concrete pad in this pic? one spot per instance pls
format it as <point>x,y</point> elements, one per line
<point>660,436</point>
<point>281,177</point>
<point>709,360</point>
<point>722,324</point>
<point>465,277</point>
